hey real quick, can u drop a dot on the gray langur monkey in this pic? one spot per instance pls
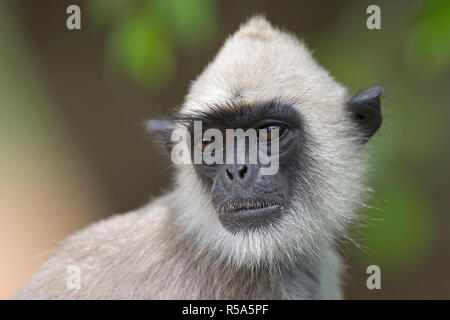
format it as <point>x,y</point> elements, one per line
<point>225,231</point>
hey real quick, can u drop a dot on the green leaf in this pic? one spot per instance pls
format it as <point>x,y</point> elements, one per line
<point>141,48</point>
<point>429,42</point>
<point>192,22</point>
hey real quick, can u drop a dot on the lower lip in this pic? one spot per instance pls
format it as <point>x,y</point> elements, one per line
<point>257,211</point>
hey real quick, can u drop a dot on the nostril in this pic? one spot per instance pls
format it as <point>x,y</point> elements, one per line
<point>242,172</point>
<point>230,176</point>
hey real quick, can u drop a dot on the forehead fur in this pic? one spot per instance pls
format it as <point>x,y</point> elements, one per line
<point>260,63</point>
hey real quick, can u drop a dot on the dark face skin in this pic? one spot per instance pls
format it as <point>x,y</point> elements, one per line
<point>244,199</point>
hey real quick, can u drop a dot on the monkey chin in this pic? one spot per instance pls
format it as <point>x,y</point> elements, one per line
<point>261,217</point>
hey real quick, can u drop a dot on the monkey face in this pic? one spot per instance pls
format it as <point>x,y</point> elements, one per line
<point>247,197</point>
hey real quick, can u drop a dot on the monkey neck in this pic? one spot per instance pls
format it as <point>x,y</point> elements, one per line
<point>311,277</point>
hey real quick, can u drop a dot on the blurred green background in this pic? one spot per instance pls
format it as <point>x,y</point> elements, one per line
<point>73,104</point>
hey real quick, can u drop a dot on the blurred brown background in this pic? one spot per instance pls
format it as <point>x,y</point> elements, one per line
<point>73,104</point>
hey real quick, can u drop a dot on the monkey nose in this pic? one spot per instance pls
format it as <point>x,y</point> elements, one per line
<point>240,175</point>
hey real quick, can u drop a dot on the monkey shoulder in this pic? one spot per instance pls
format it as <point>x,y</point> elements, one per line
<point>105,258</point>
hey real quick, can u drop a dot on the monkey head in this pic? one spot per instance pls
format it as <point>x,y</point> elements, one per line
<point>266,80</point>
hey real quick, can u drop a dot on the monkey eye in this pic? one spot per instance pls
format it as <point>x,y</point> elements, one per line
<point>204,143</point>
<point>268,130</point>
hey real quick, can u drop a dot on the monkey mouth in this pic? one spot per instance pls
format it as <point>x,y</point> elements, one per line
<point>249,215</point>
<point>251,205</point>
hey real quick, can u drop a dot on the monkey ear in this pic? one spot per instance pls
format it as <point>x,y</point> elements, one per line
<point>161,132</point>
<point>365,109</point>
